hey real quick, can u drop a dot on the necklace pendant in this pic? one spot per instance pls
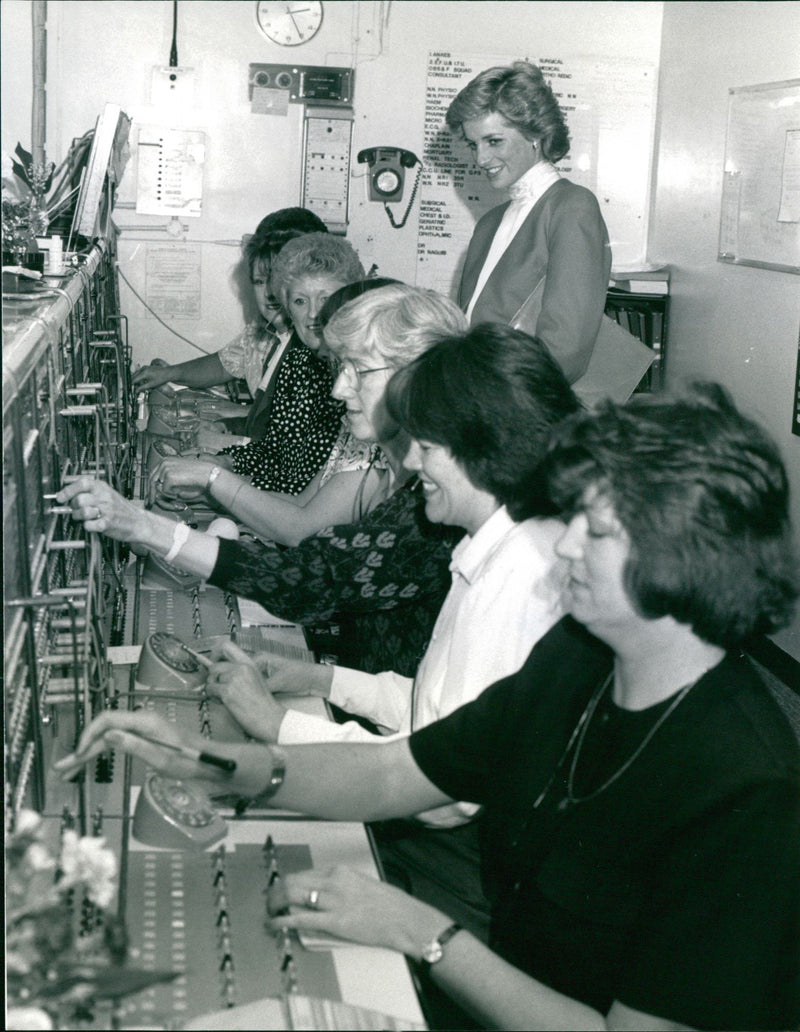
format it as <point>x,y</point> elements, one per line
<point>564,804</point>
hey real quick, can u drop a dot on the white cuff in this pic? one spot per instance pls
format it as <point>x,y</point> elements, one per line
<point>180,536</point>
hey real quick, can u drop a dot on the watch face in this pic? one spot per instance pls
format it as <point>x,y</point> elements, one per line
<point>289,24</point>
<point>432,952</point>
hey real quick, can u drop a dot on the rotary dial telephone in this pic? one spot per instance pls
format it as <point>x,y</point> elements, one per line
<point>387,174</point>
<point>175,815</point>
<point>166,665</point>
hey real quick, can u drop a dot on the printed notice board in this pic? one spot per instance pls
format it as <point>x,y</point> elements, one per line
<point>760,218</point>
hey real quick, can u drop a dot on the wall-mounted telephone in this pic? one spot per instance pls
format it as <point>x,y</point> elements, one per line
<point>387,174</point>
<point>175,815</point>
<point>166,665</point>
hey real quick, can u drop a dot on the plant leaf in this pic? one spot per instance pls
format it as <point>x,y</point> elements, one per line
<point>105,983</point>
<point>23,155</point>
<point>20,173</point>
<point>112,982</point>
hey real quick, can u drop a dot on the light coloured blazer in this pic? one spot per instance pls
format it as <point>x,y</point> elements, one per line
<point>553,277</point>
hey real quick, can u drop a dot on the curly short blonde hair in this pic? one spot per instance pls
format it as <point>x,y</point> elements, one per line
<point>398,322</point>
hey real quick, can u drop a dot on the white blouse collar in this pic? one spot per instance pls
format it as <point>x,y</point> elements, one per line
<point>532,184</point>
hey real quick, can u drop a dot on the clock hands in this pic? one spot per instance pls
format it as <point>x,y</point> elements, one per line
<point>292,11</point>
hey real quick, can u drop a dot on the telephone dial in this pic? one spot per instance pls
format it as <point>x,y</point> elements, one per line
<point>165,665</point>
<point>175,815</point>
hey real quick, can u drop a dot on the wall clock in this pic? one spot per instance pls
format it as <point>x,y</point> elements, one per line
<point>289,24</point>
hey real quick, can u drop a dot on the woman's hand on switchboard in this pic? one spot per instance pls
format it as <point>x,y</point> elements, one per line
<point>100,508</point>
<point>293,676</point>
<point>161,744</point>
<point>213,409</point>
<point>236,680</point>
<point>353,906</point>
<point>179,477</point>
<point>150,376</point>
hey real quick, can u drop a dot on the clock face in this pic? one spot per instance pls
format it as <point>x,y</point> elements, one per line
<point>289,24</point>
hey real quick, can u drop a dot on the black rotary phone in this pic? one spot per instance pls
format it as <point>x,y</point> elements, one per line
<point>387,172</point>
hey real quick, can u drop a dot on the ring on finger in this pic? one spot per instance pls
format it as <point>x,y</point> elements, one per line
<point>312,899</point>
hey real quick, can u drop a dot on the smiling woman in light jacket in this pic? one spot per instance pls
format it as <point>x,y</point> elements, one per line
<point>542,261</point>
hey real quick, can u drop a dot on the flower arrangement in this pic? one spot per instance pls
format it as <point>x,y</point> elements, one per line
<point>64,952</point>
<point>24,202</point>
<point>37,195</point>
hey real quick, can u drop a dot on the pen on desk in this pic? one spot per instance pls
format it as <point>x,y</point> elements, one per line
<point>229,766</point>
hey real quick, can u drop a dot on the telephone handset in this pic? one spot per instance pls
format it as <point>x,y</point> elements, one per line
<point>165,665</point>
<point>175,815</point>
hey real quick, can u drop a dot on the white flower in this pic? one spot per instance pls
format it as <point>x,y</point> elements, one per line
<point>28,822</point>
<point>88,860</point>
<point>27,1019</point>
<point>38,858</point>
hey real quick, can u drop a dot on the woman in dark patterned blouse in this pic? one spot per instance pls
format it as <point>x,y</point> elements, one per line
<point>381,580</point>
<point>304,419</point>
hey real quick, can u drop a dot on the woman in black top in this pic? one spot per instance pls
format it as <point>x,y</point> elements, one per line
<point>641,786</point>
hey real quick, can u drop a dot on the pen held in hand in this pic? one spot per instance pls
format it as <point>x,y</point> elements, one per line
<point>229,766</point>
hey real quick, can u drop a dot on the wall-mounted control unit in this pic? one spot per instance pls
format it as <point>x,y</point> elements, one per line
<point>304,84</point>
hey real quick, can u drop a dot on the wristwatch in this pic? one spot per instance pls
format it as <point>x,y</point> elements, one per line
<point>274,783</point>
<point>434,951</point>
<point>213,473</point>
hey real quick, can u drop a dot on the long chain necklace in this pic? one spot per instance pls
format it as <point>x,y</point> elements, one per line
<point>578,736</point>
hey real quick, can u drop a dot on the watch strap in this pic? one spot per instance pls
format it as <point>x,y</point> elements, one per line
<point>274,783</point>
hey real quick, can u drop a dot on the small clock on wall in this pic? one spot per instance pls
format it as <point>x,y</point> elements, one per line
<point>289,24</point>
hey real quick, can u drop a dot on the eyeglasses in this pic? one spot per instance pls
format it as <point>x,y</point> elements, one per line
<point>345,367</point>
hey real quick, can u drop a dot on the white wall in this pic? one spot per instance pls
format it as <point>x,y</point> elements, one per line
<point>104,50</point>
<point>730,323</point>
<point>16,37</point>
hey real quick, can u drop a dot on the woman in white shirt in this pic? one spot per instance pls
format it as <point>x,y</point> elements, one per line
<point>479,408</point>
<point>542,261</point>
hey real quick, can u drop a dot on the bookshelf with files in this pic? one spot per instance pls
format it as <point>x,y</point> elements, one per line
<point>646,316</point>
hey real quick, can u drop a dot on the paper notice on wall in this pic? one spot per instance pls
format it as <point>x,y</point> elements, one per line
<point>610,111</point>
<point>172,280</point>
<point>170,171</point>
<point>729,215</point>
<point>789,210</point>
